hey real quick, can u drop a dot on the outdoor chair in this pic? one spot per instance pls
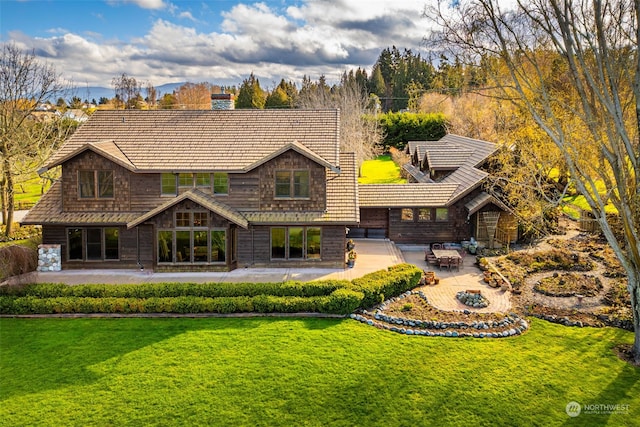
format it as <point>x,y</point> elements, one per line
<point>454,262</point>
<point>431,259</point>
<point>463,254</point>
<point>436,246</point>
<point>444,262</point>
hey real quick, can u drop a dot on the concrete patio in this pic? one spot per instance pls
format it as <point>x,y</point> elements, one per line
<point>373,255</point>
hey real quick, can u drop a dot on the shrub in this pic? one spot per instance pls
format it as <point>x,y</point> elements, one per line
<point>17,259</point>
<point>341,301</point>
<point>336,297</point>
<point>380,285</point>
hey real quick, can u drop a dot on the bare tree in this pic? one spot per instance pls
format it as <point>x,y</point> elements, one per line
<point>573,65</point>
<point>127,91</point>
<point>359,131</point>
<point>25,143</point>
<point>152,95</point>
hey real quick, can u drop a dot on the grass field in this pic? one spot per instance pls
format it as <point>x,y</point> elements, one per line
<point>295,372</point>
<point>381,170</point>
<point>28,193</point>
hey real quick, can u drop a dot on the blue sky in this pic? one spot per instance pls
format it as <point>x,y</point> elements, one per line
<point>219,41</point>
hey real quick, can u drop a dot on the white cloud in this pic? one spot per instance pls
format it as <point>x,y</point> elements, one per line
<point>145,4</point>
<point>319,37</point>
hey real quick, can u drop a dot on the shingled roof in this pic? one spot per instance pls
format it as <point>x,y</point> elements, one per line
<point>405,195</point>
<point>455,153</point>
<point>204,140</point>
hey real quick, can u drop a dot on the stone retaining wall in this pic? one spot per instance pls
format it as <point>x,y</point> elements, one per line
<point>49,258</point>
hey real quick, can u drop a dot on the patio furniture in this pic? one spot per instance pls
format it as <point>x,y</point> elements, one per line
<point>454,262</point>
<point>431,258</point>
<point>443,255</point>
<point>436,246</point>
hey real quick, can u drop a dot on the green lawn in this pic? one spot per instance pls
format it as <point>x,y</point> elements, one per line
<point>28,192</point>
<point>381,170</point>
<point>293,372</point>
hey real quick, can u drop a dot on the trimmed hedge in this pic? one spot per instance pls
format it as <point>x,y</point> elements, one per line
<point>342,301</point>
<point>164,290</point>
<point>332,297</point>
<point>381,285</point>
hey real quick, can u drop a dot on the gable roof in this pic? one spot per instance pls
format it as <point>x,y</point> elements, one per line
<point>447,158</point>
<point>481,200</point>
<point>204,200</point>
<point>341,205</point>
<point>459,154</point>
<point>205,140</point>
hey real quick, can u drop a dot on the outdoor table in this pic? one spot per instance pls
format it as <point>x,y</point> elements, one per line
<point>448,253</point>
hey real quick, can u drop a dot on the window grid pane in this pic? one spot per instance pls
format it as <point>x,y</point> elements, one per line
<point>74,239</point>
<point>86,184</point>
<point>406,215</point>
<point>111,243</point>
<point>283,184</point>
<point>314,243</point>
<point>218,244</point>
<point>301,184</point>
<point>94,244</point>
<point>203,180</point>
<point>169,184</point>
<point>105,184</point>
<point>424,214</point>
<point>442,214</point>
<point>278,243</point>
<point>220,183</point>
<point>200,246</point>
<point>183,246</point>
<point>296,242</point>
<point>185,180</point>
<point>200,219</point>
<point>183,219</point>
<point>165,246</point>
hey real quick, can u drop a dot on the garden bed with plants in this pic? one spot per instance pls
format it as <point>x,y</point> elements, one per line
<point>573,279</point>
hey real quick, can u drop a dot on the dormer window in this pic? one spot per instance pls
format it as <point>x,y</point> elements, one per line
<point>95,184</point>
<point>292,184</point>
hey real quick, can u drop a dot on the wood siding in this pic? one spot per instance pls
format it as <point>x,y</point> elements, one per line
<point>455,229</point>
<point>91,161</point>
<point>292,160</point>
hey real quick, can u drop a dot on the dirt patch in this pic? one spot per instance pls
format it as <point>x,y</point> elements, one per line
<point>625,353</point>
<point>569,285</point>
<point>572,279</point>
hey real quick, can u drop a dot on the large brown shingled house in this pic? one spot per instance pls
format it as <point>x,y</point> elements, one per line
<point>218,190</point>
<point>209,190</point>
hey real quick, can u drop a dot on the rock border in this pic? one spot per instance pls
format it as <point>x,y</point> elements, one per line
<point>475,329</point>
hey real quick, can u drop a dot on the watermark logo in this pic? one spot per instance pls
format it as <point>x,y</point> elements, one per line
<point>573,409</point>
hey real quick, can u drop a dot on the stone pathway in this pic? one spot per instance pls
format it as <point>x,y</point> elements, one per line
<point>443,295</point>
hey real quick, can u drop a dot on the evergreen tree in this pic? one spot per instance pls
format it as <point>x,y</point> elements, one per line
<point>251,94</point>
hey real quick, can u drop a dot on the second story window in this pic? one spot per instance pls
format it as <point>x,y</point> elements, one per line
<point>169,184</point>
<point>185,179</point>
<point>94,184</point>
<point>292,184</point>
<point>220,183</point>
<point>203,180</point>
